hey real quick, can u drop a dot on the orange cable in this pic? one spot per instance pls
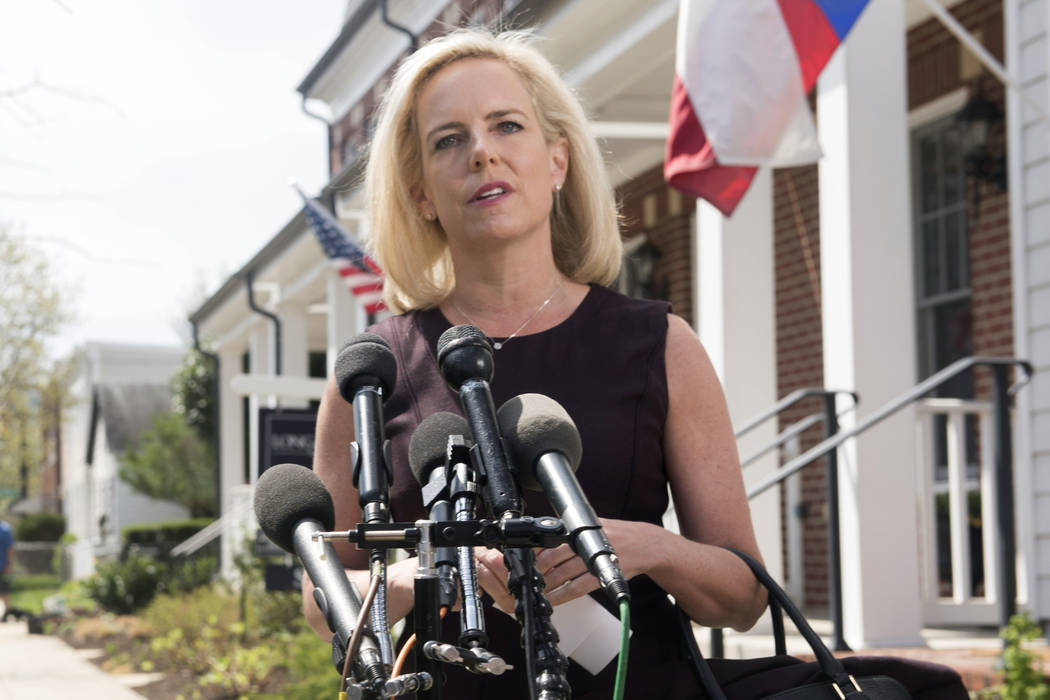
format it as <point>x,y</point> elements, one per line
<point>403,654</point>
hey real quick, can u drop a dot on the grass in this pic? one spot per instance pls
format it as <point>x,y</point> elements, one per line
<point>28,593</point>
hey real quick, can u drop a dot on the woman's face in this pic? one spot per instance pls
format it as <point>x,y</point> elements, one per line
<point>488,172</point>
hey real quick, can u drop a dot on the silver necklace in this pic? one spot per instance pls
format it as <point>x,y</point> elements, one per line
<point>497,344</point>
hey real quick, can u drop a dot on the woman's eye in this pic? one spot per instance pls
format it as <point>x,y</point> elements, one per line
<point>509,127</point>
<point>445,142</point>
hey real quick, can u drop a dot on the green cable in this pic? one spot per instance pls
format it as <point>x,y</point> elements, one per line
<point>625,644</point>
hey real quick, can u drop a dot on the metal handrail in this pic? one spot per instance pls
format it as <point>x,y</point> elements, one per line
<point>890,408</point>
<point>791,431</point>
<point>831,425</point>
<point>787,402</point>
<point>1007,583</point>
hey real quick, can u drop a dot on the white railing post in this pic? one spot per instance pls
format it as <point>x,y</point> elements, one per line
<point>962,606</point>
<point>989,509</point>
<point>958,508</point>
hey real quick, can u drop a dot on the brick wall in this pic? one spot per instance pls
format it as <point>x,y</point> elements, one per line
<point>648,205</point>
<point>800,363</point>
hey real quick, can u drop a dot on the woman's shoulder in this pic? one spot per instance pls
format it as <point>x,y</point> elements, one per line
<point>610,299</point>
<point>620,314</point>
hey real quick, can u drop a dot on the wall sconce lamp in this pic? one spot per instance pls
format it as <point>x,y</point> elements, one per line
<point>978,117</point>
<point>641,261</point>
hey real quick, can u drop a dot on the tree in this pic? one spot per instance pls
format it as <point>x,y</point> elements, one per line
<point>172,462</point>
<point>32,311</point>
<point>175,458</point>
<point>194,391</point>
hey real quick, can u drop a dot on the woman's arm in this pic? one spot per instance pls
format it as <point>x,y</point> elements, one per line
<point>335,432</point>
<point>712,585</point>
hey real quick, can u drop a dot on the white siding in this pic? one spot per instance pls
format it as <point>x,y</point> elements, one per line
<point>1028,60</point>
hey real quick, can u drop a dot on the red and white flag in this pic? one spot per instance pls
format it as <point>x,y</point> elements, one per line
<point>743,69</point>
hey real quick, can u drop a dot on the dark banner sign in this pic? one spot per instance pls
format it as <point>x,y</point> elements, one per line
<point>286,435</point>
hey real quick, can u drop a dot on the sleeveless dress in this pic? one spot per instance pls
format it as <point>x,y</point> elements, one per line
<point>605,365</point>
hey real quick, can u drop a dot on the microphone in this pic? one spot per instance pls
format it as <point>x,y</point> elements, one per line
<point>465,359</point>
<point>546,446</point>
<point>366,371</point>
<point>291,504</point>
<point>428,460</point>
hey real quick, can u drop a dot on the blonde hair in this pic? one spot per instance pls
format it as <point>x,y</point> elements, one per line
<point>414,254</point>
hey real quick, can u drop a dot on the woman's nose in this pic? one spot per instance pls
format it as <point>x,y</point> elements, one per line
<point>482,155</point>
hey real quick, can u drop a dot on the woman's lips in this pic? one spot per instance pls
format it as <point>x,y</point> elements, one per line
<point>490,193</point>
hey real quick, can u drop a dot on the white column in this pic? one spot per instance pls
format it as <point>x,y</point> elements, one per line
<point>738,328</point>
<point>231,457</point>
<point>868,321</point>
<point>295,347</point>
<point>260,361</point>
<point>346,318</point>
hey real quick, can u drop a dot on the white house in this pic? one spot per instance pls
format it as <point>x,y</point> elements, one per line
<point>116,394</point>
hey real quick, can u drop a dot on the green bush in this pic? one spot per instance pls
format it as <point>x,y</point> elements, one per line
<point>186,574</point>
<point>203,631</point>
<point>1024,675</point>
<point>40,527</point>
<point>311,674</point>
<point>160,537</point>
<point>125,586</point>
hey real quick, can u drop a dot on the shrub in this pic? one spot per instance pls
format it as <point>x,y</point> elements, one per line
<point>124,587</point>
<point>310,671</point>
<point>40,527</point>
<point>160,537</point>
<point>1024,677</point>
<point>187,574</point>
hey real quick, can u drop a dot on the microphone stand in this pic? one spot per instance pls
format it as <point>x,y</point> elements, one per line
<point>517,536</point>
<point>466,363</point>
<point>533,612</point>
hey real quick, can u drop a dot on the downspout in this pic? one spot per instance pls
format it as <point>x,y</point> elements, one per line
<point>413,42</point>
<point>273,317</point>
<point>327,125</point>
<point>215,395</point>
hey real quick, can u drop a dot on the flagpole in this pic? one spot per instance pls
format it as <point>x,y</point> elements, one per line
<point>987,60</point>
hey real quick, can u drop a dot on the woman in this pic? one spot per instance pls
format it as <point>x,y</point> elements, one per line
<point>490,207</point>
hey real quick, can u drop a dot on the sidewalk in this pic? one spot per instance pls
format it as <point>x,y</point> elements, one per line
<point>41,666</point>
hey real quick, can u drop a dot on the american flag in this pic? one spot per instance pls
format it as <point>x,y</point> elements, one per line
<point>361,274</point>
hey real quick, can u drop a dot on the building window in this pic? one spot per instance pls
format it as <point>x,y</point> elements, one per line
<point>944,317</point>
<point>942,253</point>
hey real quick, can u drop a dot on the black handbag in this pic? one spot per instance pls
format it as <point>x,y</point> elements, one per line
<point>784,677</point>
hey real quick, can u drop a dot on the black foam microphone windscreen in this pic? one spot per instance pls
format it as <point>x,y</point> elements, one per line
<point>287,494</point>
<point>532,425</point>
<point>365,359</point>
<point>428,447</point>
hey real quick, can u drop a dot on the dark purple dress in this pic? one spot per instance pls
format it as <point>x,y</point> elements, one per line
<point>605,365</point>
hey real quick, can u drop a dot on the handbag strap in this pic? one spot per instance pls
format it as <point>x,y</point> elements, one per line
<point>831,666</point>
<point>779,638</point>
<point>712,690</point>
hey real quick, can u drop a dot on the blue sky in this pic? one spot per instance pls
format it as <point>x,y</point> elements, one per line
<point>152,159</point>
